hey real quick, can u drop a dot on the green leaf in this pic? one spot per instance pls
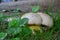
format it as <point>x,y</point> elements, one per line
<point>15,39</point>
<point>35,8</point>
<point>23,21</point>
<point>11,23</point>
<point>14,31</point>
<point>14,23</point>
<point>26,31</point>
<point>2,35</point>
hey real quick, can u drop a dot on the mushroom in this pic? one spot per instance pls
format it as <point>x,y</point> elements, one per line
<point>46,19</point>
<point>38,19</point>
<point>34,21</point>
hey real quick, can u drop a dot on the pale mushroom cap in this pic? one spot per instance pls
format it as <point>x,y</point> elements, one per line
<point>33,18</point>
<point>46,19</point>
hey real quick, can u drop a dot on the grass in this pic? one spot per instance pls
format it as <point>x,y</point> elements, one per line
<point>17,30</point>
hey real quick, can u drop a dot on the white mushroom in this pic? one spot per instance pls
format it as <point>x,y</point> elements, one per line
<point>38,19</point>
<point>46,19</point>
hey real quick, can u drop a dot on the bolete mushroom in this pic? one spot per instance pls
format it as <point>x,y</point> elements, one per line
<point>38,19</point>
<point>34,21</point>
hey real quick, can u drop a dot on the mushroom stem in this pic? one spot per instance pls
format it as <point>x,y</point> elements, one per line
<point>36,28</point>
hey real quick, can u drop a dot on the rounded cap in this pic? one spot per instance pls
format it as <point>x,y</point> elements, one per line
<point>33,18</point>
<point>46,19</point>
